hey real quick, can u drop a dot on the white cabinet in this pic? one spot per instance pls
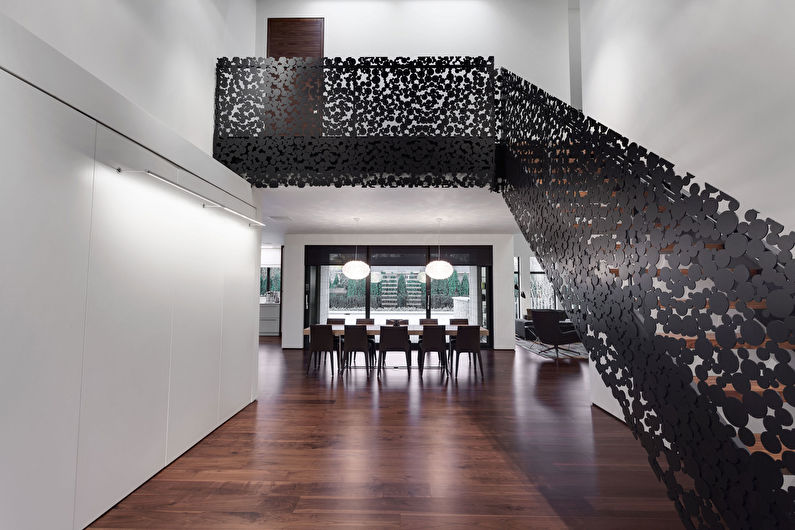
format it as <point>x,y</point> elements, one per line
<point>269,319</point>
<point>196,325</point>
<point>128,329</point>
<point>47,151</point>
<point>128,312</point>
<point>239,372</point>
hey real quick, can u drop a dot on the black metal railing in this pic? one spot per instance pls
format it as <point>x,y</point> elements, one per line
<point>686,307</point>
<point>374,121</point>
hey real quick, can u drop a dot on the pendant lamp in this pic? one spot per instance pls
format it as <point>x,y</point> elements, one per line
<point>439,269</point>
<point>356,269</point>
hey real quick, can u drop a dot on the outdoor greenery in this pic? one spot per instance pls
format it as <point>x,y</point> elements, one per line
<point>345,293</point>
<point>443,291</point>
<point>350,294</point>
<point>275,274</point>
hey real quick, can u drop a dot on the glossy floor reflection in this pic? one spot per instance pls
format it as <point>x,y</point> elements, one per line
<point>524,449</point>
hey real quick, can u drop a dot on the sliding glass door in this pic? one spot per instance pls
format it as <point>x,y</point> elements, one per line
<point>397,292</point>
<point>397,287</point>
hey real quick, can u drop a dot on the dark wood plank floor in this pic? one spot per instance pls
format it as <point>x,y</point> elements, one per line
<point>524,449</point>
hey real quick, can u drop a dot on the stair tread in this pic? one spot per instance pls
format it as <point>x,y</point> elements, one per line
<point>752,304</point>
<point>753,271</point>
<point>691,341</point>
<point>731,392</point>
<point>669,249</point>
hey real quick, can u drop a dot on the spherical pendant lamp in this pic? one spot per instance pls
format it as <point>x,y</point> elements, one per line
<point>421,277</point>
<point>356,269</point>
<point>375,277</point>
<point>439,269</point>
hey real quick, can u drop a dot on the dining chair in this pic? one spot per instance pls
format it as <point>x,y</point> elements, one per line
<point>355,342</point>
<point>370,338</point>
<point>434,339</point>
<point>468,341</point>
<point>337,322</point>
<point>394,338</point>
<point>397,322</point>
<point>425,322</point>
<point>456,322</point>
<point>321,343</point>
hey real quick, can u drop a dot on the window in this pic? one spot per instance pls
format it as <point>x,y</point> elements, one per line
<point>397,287</point>
<point>270,280</point>
<point>540,293</point>
<point>517,287</point>
<point>346,297</point>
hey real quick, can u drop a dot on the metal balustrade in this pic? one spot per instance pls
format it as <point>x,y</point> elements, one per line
<point>685,306</point>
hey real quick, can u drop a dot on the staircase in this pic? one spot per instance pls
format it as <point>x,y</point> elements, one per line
<point>686,310</point>
<point>685,306</point>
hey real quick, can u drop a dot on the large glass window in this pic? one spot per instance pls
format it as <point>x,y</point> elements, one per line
<point>516,288</point>
<point>341,297</point>
<point>540,293</point>
<point>457,296</point>
<point>397,287</point>
<point>397,292</point>
<point>270,281</point>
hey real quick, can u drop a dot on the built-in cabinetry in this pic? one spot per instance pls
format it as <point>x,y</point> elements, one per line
<point>128,313</point>
<point>268,319</point>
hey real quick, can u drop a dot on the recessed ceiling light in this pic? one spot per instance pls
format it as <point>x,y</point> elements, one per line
<point>279,218</point>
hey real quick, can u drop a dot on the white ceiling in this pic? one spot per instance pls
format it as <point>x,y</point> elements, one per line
<point>322,210</point>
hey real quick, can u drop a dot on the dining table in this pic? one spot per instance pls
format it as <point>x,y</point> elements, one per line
<point>373,330</point>
<point>416,330</point>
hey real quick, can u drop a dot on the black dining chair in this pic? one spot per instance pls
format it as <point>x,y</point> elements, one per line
<point>321,344</point>
<point>434,339</point>
<point>456,322</point>
<point>396,322</point>
<point>394,338</point>
<point>425,322</point>
<point>337,322</point>
<point>355,342</point>
<point>546,323</point>
<point>468,341</point>
<point>370,338</point>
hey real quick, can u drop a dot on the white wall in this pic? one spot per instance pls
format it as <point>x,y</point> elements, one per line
<point>128,312</point>
<point>708,85</point>
<point>575,62</point>
<point>529,37</point>
<point>159,54</point>
<point>270,257</point>
<point>293,275</point>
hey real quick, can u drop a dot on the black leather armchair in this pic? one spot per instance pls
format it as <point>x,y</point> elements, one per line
<point>548,330</point>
